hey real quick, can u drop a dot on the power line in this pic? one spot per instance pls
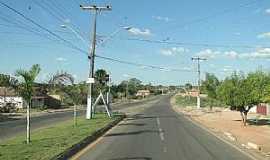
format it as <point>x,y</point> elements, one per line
<point>195,44</point>
<point>143,65</point>
<point>41,27</point>
<point>71,45</point>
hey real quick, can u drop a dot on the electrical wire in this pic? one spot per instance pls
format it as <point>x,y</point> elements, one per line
<point>195,44</point>
<point>71,45</point>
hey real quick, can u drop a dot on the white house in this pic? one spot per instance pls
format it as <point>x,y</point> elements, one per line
<point>9,96</point>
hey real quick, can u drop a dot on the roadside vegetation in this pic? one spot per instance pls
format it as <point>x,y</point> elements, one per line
<point>61,83</point>
<point>238,91</point>
<point>51,141</point>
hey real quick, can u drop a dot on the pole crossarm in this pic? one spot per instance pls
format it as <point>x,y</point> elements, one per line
<point>96,8</point>
<point>91,56</point>
<point>198,59</point>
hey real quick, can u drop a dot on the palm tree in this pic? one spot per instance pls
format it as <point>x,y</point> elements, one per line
<point>25,89</point>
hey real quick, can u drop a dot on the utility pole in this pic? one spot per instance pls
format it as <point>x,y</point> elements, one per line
<point>198,59</point>
<point>91,57</point>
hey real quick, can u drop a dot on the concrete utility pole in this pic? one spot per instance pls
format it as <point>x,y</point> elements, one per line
<point>198,59</point>
<point>91,56</point>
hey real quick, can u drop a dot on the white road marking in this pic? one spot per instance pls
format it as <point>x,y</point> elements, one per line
<point>164,149</point>
<point>158,122</point>
<point>161,134</point>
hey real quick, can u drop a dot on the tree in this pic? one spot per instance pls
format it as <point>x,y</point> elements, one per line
<point>210,87</point>
<point>25,89</point>
<point>65,82</point>
<point>188,86</point>
<point>242,93</point>
<point>76,93</point>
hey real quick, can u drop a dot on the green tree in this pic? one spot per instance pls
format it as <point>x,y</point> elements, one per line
<point>75,92</point>
<point>210,87</point>
<point>188,86</point>
<point>242,93</point>
<point>25,89</point>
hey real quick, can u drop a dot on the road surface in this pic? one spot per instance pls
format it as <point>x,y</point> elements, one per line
<point>158,133</point>
<point>10,129</point>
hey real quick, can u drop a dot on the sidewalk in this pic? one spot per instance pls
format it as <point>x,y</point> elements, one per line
<point>226,122</point>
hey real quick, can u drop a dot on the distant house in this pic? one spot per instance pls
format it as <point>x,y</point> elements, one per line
<point>9,96</point>
<point>39,99</point>
<point>193,93</point>
<point>142,93</point>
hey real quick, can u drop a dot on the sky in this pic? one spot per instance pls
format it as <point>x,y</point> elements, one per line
<point>233,35</point>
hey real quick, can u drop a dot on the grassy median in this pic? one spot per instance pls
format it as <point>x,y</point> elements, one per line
<point>51,141</point>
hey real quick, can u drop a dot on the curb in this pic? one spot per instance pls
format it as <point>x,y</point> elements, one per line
<point>86,141</point>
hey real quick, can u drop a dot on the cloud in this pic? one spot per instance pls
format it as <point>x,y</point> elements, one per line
<point>267,11</point>
<point>264,35</point>
<point>138,32</point>
<point>61,59</point>
<point>231,54</point>
<point>166,19</point>
<point>263,53</point>
<point>208,53</point>
<point>173,51</point>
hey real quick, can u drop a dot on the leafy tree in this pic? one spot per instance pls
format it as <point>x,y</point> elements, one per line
<point>242,93</point>
<point>7,82</point>
<point>76,93</point>
<point>188,86</point>
<point>26,90</point>
<point>210,87</point>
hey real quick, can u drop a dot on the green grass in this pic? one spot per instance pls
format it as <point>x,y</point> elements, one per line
<point>186,101</point>
<point>48,142</point>
<point>192,101</point>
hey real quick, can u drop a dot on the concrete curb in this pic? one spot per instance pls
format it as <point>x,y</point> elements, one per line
<point>86,141</point>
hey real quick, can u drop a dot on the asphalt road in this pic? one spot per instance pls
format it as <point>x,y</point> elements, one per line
<point>12,128</point>
<point>158,133</point>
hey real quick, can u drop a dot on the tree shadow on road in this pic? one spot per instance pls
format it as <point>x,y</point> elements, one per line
<point>131,133</point>
<point>132,158</point>
<point>10,117</point>
<point>258,122</point>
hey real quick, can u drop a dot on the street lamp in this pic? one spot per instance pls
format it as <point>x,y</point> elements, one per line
<point>127,28</point>
<point>76,33</point>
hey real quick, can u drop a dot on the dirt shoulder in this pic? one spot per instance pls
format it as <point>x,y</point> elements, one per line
<point>227,124</point>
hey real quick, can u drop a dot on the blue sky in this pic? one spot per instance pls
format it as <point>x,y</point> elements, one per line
<point>241,25</point>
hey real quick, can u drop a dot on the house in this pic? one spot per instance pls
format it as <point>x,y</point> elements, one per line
<point>142,93</point>
<point>193,93</point>
<point>263,109</point>
<point>39,99</point>
<point>9,96</point>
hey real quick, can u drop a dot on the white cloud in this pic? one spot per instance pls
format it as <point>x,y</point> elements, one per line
<point>142,32</point>
<point>61,59</point>
<point>260,54</point>
<point>173,51</point>
<point>264,35</point>
<point>166,19</point>
<point>231,54</point>
<point>267,11</point>
<point>208,53</point>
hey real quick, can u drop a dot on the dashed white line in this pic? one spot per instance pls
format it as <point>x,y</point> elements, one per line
<point>161,134</point>
<point>158,122</point>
